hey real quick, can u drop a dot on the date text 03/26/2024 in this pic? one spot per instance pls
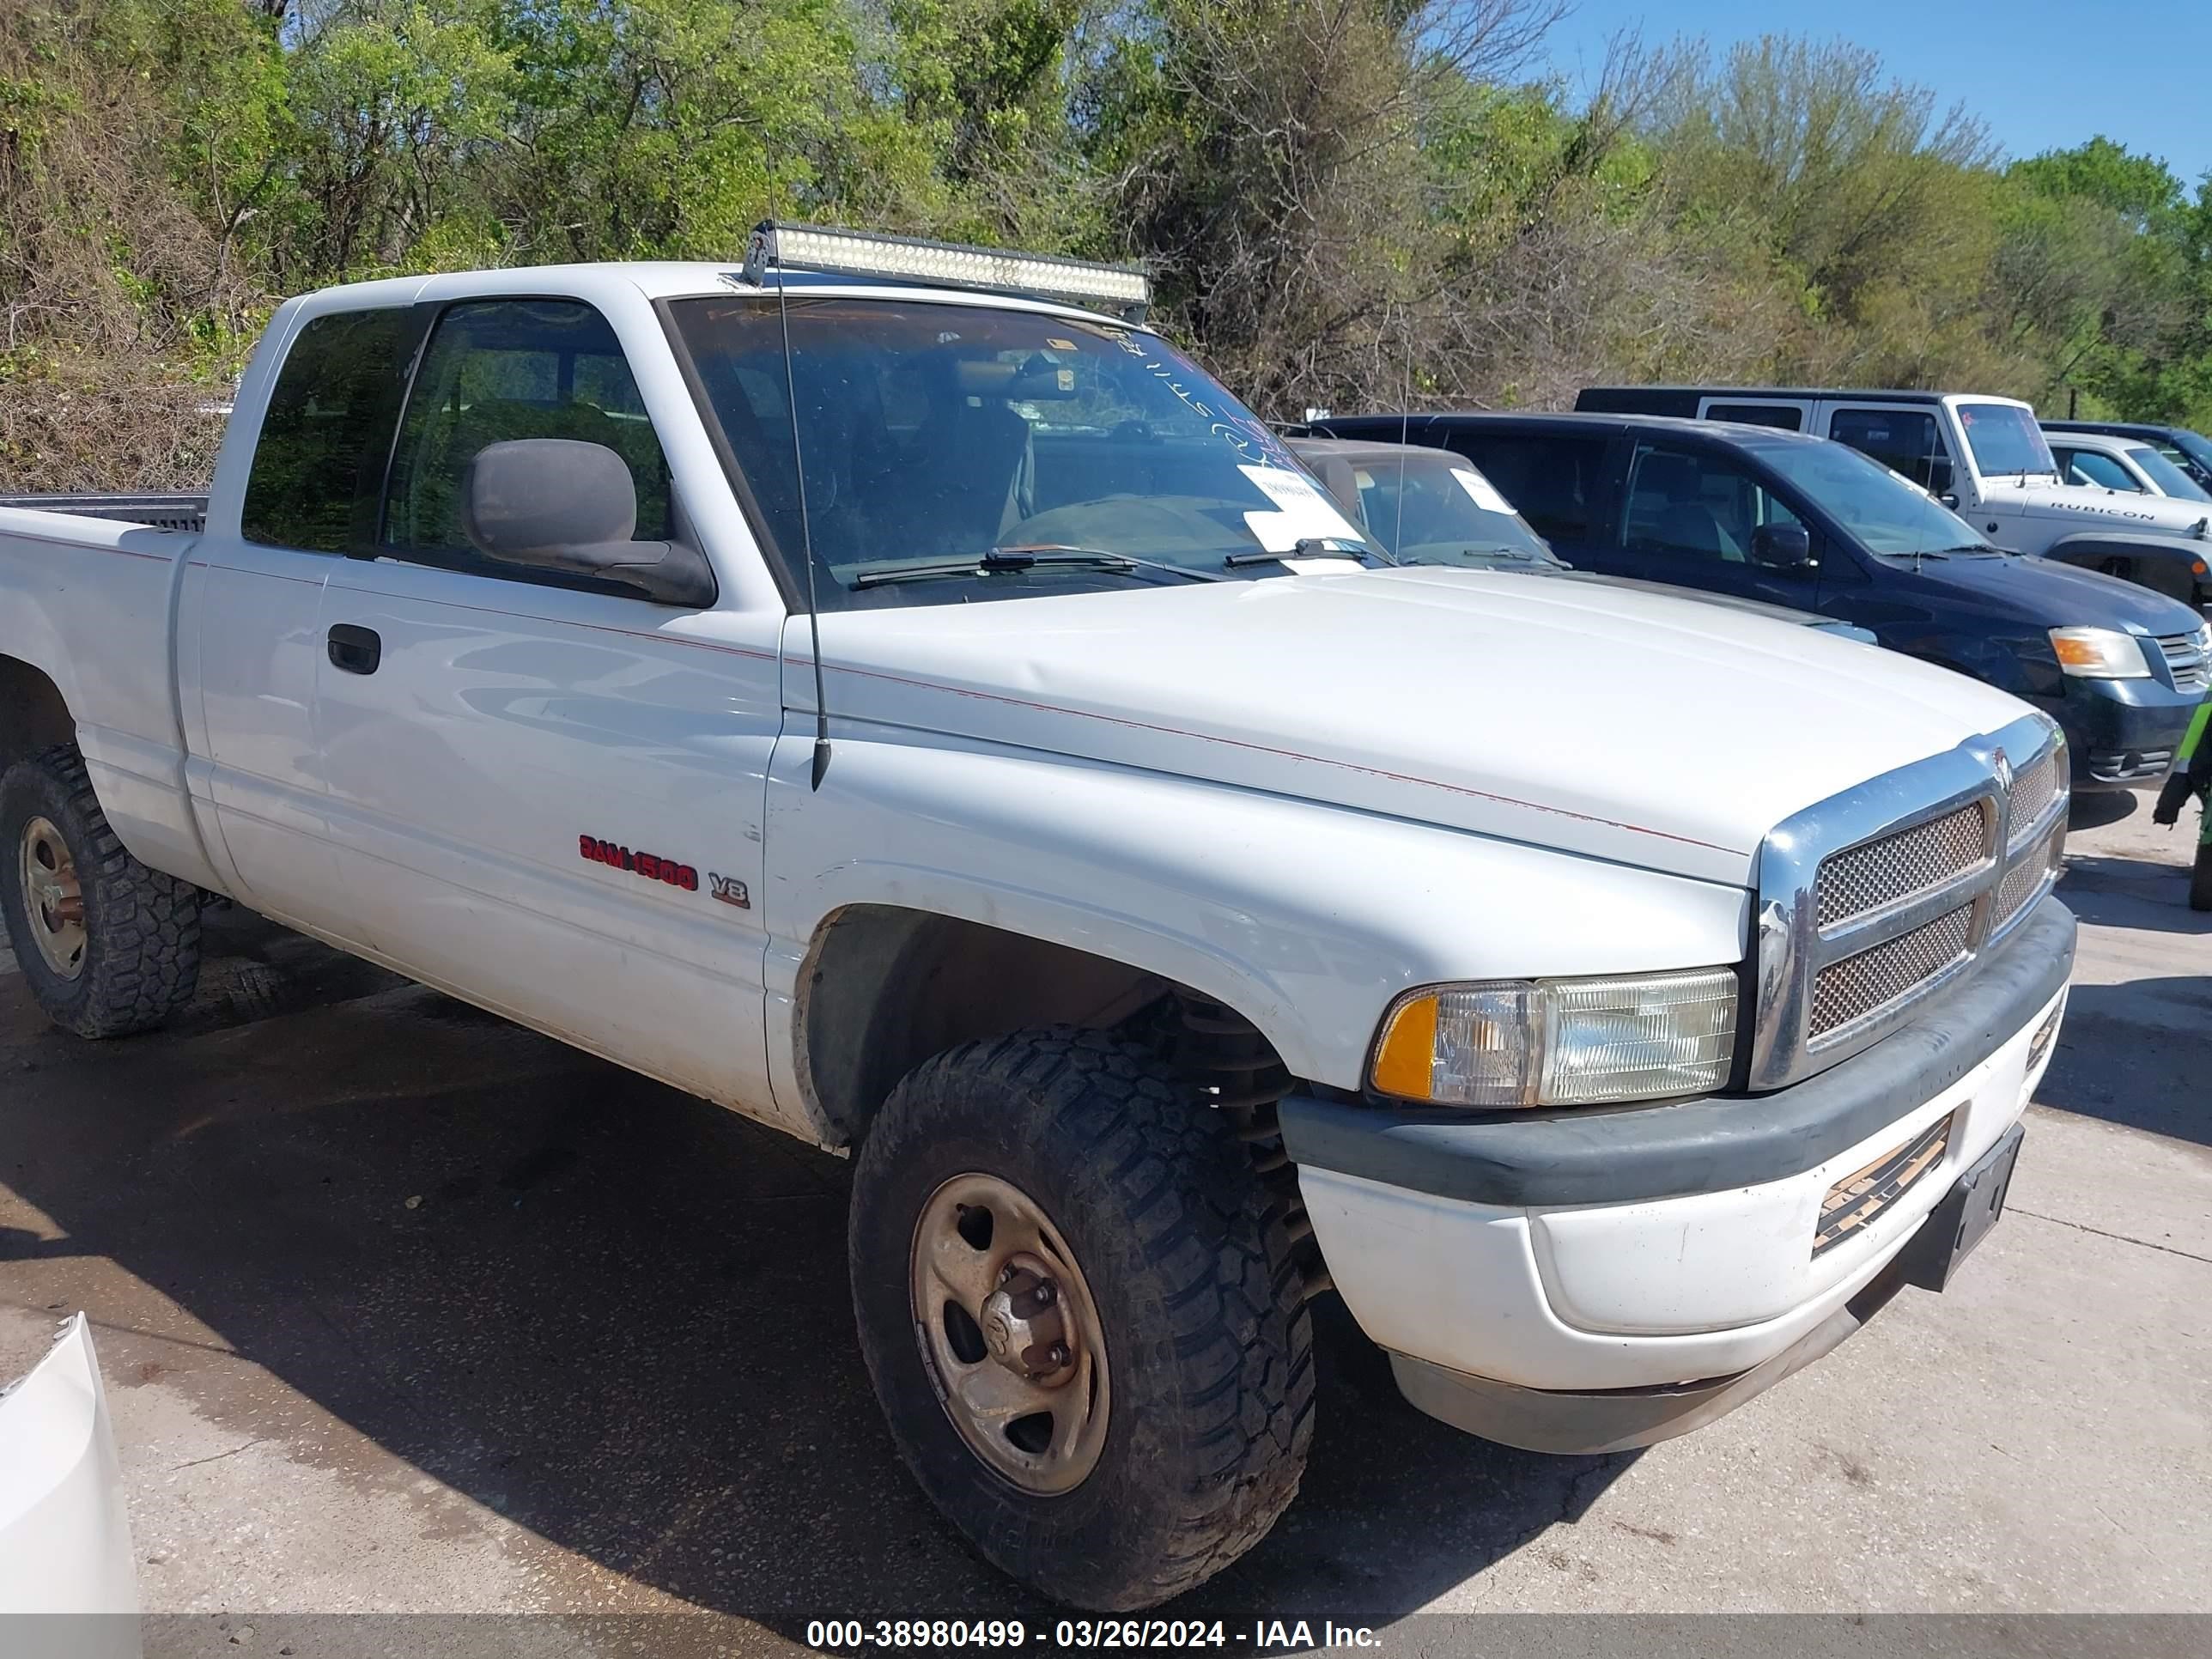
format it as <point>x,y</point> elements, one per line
<point>1262,1635</point>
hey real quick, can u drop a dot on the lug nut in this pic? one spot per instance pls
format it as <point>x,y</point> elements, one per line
<point>1045,1294</point>
<point>1059,1355</point>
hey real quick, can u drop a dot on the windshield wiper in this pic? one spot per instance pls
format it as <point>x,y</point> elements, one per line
<point>1001,560</point>
<point>1309,547</point>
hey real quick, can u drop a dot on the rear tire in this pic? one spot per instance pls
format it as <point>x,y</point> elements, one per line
<point>1170,1255</point>
<point>108,946</point>
<point>2200,879</point>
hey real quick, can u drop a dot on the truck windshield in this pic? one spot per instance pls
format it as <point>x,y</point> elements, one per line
<point>2170,479</point>
<point>1438,511</point>
<point>931,437</point>
<point>1886,513</point>
<point>2005,440</point>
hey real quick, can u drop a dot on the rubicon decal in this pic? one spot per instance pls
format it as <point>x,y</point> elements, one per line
<point>651,865</point>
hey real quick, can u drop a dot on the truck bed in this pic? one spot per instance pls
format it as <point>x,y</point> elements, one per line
<point>184,513</point>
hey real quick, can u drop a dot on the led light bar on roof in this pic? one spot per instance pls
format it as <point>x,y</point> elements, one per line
<point>951,265</point>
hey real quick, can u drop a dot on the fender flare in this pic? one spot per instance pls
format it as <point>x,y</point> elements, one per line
<point>2177,566</point>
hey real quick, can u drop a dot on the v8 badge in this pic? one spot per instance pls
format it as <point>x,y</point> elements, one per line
<point>730,891</point>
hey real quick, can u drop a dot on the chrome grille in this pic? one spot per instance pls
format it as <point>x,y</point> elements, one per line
<point>1877,875</point>
<point>2032,791</point>
<point>2025,877</point>
<point>1871,901</point>
<point>1857,986</point>
<point>2184,661</point>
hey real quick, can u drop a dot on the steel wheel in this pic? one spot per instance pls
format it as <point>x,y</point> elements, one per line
<point>1008,1326</point>
<point>53,898</point>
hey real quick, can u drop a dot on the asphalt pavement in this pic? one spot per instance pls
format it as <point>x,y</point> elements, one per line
<point>405,1311</point>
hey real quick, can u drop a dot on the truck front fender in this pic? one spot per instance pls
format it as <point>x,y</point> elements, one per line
<point>2175,566</point>
<point>1307,919</point>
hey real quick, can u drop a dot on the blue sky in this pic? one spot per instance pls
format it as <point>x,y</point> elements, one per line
<point>2041,74</point>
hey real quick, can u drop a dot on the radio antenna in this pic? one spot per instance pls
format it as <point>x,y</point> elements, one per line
<point>805,533</point>
<point>1405,426</point>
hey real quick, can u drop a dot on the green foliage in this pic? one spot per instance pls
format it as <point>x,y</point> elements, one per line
<point>1346,202</point>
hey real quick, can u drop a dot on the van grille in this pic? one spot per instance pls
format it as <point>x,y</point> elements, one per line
<point>2185,661</point>
<point>1877,875</point>
<point>1855,986</point>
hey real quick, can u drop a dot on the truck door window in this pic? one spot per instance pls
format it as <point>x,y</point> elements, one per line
<point>326,431</point>
<point>1905,441</point>
<point>1688,504</point>
<point>1786,417</point>
<point>1556,482</point>
<point>498,370</point>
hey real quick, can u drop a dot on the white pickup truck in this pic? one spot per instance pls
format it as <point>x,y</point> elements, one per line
<point>1175,911</point>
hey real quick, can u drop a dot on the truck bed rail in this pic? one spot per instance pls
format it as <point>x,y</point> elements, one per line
<point>186,514</point>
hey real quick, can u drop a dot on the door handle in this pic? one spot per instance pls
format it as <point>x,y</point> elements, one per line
<point>355,650</point>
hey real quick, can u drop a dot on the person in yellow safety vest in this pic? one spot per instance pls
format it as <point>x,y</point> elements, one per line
<point>2192,776</point>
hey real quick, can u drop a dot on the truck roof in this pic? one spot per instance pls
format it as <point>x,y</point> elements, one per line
<point>663,280</point>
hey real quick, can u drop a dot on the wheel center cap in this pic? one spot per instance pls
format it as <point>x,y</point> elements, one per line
<point>1022,1323</point>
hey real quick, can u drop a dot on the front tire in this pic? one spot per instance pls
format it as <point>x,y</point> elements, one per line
<point>1126,1407</point>
<point>108,946</point>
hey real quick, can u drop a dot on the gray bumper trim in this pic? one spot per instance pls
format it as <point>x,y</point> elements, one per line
<point>1624,1154</point>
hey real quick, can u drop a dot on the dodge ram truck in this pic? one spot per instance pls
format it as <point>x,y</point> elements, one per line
<point>885,689</point>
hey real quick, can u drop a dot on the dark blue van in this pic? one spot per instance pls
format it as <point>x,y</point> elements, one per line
<point>1768,514</point>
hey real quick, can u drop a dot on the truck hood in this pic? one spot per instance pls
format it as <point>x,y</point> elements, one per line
<point>2095,507</point>
<point>2048,594</point>
<point>1642,728</point>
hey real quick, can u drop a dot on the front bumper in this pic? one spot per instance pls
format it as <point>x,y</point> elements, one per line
<point>1525,1270</point>
<point>2122,731</point>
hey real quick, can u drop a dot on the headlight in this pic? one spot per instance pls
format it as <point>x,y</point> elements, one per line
<point>2100,654</point>
<point>1561,1042</point>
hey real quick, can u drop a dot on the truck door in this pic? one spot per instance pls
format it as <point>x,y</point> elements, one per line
<point>1700,518</point>
<point>547,792</point>
<point>248,646</point>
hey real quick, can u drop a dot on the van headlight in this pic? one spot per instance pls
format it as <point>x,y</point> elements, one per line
<point>2100,654</point>
<point>1559,1043</point>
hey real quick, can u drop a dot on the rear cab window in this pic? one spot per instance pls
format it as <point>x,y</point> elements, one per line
<point>327,430</point>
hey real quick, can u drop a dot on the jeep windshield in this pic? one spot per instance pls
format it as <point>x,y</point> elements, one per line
<point>2006,441</point>
<point>950,452</point>
<point>1887,515</point>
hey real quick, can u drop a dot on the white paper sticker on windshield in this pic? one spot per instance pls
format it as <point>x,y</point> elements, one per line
<point>1302,513</point>
<point>1484,492</point>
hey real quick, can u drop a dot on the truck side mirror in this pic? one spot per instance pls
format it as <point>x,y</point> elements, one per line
<point>1939,478</point>
<point>558,504</point>
<point>1786,547</point>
